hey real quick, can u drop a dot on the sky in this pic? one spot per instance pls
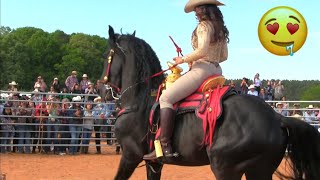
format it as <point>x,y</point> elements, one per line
<point>155,20</point>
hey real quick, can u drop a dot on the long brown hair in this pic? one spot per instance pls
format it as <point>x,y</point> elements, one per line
<point>212,13</point>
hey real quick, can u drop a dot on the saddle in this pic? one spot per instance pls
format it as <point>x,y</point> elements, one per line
<point>205,102</point>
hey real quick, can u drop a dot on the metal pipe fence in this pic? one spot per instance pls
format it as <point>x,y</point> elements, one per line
<point>31,130</point>
<point>60,132</point>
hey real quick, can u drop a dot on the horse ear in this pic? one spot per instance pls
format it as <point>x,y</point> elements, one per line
<point>112,37</point>
<point>134,33</point>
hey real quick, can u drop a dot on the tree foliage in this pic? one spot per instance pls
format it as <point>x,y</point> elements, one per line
<point>26,53</point>
<point>311,94</point>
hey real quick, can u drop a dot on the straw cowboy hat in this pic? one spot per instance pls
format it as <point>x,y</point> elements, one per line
<point>251,87</point>
<point>85,76</point>
<point>97,99</point>
<point>279,103</point>
<point>310,106</point>
<point>74,72</point>
<point>13,83</point>
<point>192,4</point>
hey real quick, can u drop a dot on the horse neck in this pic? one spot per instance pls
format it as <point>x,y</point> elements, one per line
<point>138,94</point>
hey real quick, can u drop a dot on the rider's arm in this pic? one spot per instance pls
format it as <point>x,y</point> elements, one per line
<point>203,34</point>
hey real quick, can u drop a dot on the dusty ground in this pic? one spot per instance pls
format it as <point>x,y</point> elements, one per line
<point>92,166</point>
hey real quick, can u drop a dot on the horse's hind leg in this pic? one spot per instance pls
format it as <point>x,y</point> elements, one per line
<point>264,167</point>
<point>258,173</point>
<point>126,168</point>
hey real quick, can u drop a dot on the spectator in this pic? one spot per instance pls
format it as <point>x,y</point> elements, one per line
<point>257,82</point>
<point>269,91</point>
<point>285,104</point>
<point>263,94</point>
<point>14,109</point>
<point>278,91</point>
<point>31,112</point>
<point>76,89</point>
<point>40,84</point>
<point>65,94</point>
<point>76,114</point>
<point>110,109</point>
<point>252,90</point>
<point>22,129</point>
<point>98,113</point>
<point>233,85</point>
<point>7,129</point>
<point>52,122</point>
<point>317,114</point>
<point>309,115</point>
<point>56,84</point>
<point>71,80</point>
<point>52,93</point>
<point>91,90</point>
<point>36,97</point>
<point>244,86</point>
<point>87,127</point>
<point>280,110</point>
<point>296,110</point>
<point>66,111</point>
<point>84,83</point>
<point>41,116</point>
<point>13,86</point>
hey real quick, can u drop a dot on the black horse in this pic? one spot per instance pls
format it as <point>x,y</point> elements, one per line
<point>250,137</point>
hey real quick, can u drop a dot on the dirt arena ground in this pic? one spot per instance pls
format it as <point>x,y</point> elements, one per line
<point>85,167</point>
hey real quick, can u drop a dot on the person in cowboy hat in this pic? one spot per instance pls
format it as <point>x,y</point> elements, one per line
<point>252,90</point>
<point>309,115</point>
<point>209,41</point>
<point>84,83</point>
<point>13,86</point>
<point>75,114</point>
<point>279,109</point>
<point>71,80</point>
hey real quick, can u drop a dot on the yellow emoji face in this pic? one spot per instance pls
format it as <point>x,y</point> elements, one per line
<point>282,31</point>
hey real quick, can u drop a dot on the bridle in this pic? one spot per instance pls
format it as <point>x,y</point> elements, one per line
<point>116,94</point>
<point>115,90</point>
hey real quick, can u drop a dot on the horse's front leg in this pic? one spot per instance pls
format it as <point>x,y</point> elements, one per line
<point>130,159</point>
<point>153,170</point>
<point>126,168</point>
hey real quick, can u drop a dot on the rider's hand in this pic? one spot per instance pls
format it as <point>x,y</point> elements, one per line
<point>178,60</point>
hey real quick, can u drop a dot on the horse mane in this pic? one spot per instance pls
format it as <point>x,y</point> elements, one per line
<point>147,62</point>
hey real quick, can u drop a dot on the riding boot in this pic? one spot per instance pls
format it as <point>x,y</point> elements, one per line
<point>166,125</point>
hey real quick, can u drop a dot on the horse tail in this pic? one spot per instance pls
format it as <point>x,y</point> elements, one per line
<point>303,148</point>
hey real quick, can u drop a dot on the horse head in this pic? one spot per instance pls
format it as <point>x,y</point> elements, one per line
<point>129,61</point>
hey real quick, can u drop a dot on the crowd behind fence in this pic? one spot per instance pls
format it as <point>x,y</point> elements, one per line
<point>47,124</point>
<point>42,122</point>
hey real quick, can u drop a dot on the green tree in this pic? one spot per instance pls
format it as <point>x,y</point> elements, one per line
<point>311,94</point>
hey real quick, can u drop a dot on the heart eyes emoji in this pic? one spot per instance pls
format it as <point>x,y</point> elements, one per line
<point>273,28</point>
